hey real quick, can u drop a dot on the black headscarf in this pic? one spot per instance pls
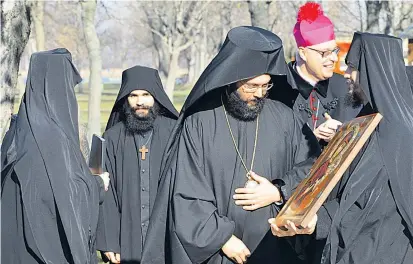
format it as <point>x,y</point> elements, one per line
<point>141,78</point>
<point>59,195</point>
<point>247,52</point>
<point>383,78</point>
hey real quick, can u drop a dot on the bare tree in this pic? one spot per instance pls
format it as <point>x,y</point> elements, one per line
<point>175,24</point>
<point>37,16</point>
<point>95,66</point>
<point>373,10</point>
<point>15,32</point>
<point>259,12</point>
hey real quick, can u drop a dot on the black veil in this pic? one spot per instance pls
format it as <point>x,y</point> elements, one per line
<point>383,78</point>
<point>59,196</point>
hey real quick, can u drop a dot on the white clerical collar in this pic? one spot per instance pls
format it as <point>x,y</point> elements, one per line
<point>311,82</point>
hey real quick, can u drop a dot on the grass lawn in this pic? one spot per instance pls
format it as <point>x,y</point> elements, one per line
<point>108,98</point>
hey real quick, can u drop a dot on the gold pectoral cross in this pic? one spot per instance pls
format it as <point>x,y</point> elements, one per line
<point>143,150</point>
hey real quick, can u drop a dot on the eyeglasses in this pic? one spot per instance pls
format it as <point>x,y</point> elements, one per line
<point>252,88</point>
<point>326,53</point>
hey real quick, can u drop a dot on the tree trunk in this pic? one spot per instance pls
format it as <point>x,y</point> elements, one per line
<point>38,22</point>
<point>172,74</point>
<point>373,9</point>
<point>388,18</point>
<point>192,63</point>
<point>226,19</point>
<point>259,12</point>
<point>15,32</point>
<point>95,66</point>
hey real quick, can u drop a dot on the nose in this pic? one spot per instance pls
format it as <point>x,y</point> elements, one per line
<point>259,93</point>
<point>334,57</point>
<point>139,101</point>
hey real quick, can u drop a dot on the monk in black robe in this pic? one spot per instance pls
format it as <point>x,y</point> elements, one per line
<point>50,200</point>
<point>231,135</point>
<point>371,219</point>
<point>136,135</point>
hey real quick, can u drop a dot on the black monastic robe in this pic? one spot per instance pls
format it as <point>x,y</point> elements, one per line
<point>124,215</point>
<point>209,170</point>
<point>50,200</point>
<point>195,214</point>
<point>371,219</point>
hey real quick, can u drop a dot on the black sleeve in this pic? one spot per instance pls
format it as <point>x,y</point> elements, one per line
<point>325,216</point>
<point>101,185</point>
<point>306,152</point>
<point>200,228</point>
<point>108,231</point>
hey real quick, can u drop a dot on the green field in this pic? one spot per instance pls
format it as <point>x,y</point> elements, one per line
<point>109,94</point>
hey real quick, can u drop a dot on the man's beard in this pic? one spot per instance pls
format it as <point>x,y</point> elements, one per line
<point>355,97</point>
<point>136,124</point>
<point>240,109</point>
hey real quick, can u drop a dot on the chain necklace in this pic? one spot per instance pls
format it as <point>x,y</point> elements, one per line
<point>250,182</point>
<point>143,150</point>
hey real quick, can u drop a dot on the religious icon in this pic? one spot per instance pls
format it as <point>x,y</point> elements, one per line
<point>327,170</point>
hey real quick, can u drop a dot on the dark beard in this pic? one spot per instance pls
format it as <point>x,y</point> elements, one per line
<point>139,124</point>
<point>240,110</point>
<point>355,97</point>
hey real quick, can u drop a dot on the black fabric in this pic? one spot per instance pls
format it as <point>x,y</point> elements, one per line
<point>409,70</point>
<point>331,94</point>
<point>372,215</point>
<point>50,199</point>
<point>194,213</point>
<point>119,228</point>
<point>8,149</point>
<point>140,78</point>
<point>294,91</point>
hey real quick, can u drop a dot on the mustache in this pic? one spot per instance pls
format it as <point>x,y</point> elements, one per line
<point>240,109</point>
<point>141,107</point>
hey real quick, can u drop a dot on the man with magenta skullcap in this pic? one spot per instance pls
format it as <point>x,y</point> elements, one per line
<point>311,88</point>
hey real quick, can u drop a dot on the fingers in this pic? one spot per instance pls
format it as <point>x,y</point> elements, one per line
<point>243,196</point>
<point>245,190</point>
<point>246,252</point>
<point>242,256</point>
<point>257,178</point>
<point>327,116</point>
<point>245,202</point>
<point>251,207</point>
<point>118,257</point>
<point>238,259</point>
<point>111,257</point>
<point>326,130</point>
<point>333,124</point>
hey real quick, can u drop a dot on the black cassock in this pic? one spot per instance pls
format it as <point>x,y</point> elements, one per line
<point>125,211</point>
<point>50,201</point>
<point>312,102</point>
<point>195,211</point>
<point>371,219</point>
